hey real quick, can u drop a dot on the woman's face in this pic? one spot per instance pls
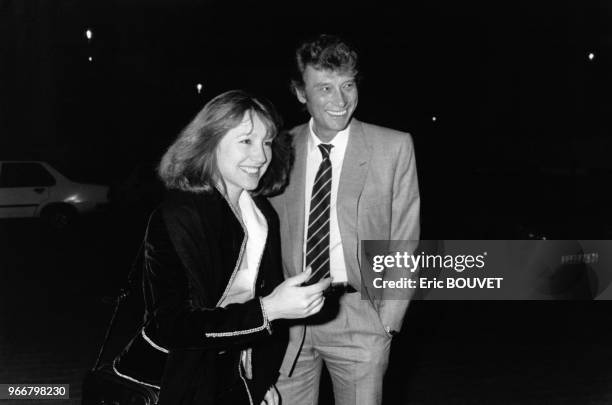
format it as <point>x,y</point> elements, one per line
<point>243,155</point>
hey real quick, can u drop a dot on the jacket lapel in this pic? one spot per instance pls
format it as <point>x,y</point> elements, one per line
<point>352,180</point>
<point>295,199</point>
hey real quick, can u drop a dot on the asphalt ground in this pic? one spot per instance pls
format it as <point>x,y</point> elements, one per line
<point>53,317</point>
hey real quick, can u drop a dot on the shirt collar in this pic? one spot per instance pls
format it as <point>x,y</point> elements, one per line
<point>339,142</point>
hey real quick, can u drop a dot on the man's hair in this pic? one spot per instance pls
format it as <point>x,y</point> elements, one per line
<point>325,52</point>
<point>190,163</point>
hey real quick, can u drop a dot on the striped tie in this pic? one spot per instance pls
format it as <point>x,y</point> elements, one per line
<point>317,244</point>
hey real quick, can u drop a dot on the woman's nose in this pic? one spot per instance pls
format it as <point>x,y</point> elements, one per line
<point>258,154</point>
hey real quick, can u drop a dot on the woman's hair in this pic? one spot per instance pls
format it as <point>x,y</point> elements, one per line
<point>190,163</point>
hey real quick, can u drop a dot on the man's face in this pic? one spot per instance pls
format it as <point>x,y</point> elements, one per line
<point>331,98</point>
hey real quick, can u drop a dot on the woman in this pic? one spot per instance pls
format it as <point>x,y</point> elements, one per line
<point>213,281</point>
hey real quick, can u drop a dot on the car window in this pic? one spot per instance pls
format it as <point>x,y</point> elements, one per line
<point>25,175</point>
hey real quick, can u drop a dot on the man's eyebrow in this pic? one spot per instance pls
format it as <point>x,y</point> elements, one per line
<point>329,83</point>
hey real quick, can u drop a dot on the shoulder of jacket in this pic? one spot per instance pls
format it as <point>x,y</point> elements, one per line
<point>384,132</point>
<point>182,206</point>
<point>298,130</point>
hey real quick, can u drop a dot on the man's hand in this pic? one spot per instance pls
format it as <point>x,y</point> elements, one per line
<point>391,313</point>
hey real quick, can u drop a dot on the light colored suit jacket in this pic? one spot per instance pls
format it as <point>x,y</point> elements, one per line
<point>378,199</point>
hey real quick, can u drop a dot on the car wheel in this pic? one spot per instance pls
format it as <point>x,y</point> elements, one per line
<point>59,217</point>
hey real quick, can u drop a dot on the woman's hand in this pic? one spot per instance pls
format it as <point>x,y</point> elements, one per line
<point>291,301</point>
<point>272,397</point>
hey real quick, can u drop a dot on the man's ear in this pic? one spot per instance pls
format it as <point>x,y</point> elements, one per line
<point>300,94</point>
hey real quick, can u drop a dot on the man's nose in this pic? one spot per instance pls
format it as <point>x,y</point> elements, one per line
<point>339,98</point>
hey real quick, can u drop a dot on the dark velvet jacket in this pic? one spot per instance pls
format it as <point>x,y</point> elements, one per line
<point>194,243</point>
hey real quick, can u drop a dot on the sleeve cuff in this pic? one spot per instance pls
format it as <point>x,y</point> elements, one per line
<point>266,321</point>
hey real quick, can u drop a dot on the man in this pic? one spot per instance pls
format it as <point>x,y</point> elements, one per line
<point>351,181</point>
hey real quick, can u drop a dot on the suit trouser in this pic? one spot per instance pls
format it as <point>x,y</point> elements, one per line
<point>350,338</point>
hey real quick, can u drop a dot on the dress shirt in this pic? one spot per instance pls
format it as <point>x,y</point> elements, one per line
<point>313,161</point>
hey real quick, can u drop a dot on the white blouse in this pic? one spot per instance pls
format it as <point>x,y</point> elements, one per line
<point>242,288</point>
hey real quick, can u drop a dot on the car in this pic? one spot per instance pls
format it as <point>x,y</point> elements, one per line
<point>36,189</point>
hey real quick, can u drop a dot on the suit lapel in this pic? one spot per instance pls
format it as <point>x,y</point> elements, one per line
<point>295,199</point>
<point>352,180</point>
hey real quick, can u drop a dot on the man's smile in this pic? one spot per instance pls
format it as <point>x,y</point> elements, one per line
<point>337,113</point>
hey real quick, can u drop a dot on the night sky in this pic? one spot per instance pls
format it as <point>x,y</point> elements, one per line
<point>522,112</point>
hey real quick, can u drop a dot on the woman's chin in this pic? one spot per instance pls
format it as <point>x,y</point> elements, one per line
<point>250,186</point>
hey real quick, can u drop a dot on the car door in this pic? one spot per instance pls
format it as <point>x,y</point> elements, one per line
<point>24,186</point>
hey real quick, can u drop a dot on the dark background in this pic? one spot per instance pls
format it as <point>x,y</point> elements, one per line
<point>519,149</point>
<point>522,124</point>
